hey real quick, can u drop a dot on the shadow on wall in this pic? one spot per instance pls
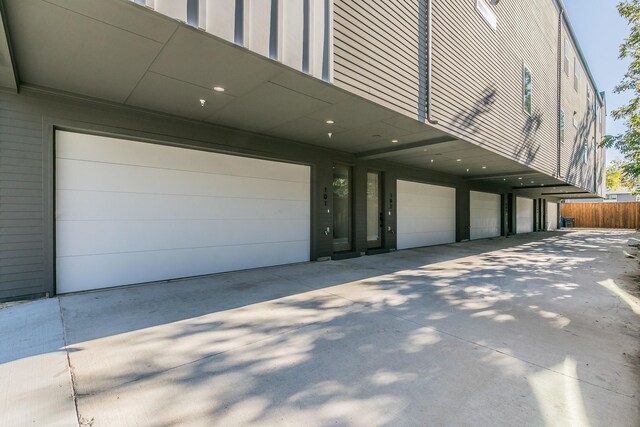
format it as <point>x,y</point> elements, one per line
<point>275,339</point>
<point>578,171</point>
<point>468,120</point>
<point>528,150</point>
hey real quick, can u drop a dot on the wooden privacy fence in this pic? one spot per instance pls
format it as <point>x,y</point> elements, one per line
<point>603,215</point>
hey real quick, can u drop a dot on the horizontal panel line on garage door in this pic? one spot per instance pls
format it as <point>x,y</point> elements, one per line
<point>134,165</point>
<point>183,195</point>
<point>182,248</point>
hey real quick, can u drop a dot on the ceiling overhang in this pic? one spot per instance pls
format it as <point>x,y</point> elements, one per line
<point>123,53</point>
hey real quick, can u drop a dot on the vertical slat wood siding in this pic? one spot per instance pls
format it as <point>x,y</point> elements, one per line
<point>603,215</point>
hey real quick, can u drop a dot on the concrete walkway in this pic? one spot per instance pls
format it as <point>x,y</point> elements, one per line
<point>539,329</point>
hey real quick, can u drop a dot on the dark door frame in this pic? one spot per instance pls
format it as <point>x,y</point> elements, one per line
<point>378,243</point>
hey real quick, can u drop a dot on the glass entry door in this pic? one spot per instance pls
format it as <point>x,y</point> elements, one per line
<point>341,208</point>
<point>374,210</point>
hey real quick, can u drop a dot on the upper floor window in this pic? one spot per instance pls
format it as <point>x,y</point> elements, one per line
<point>576,73</point>
<point>485,10</point>
<point>588,98</point>
<point>585,153</point>
<point>561,125</point>
<point>566,56</point>
<point>527,87</point>
<point>575,120</point>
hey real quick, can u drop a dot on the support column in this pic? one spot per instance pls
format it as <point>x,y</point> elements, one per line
<point>359,208</point>
<point>322,210</point>
<point>463,213</point>
<point>390,211</point>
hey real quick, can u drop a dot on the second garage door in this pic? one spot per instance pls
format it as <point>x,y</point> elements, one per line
<point>524,209</point>
<point>552,216</point>
<point>130,212</point>
<point>485,215</point>
<point>426,214</point>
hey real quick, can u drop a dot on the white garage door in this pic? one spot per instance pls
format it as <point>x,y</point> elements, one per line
<point>485,215</point>
<point>426,215</point>
<point>130,212</point>
<point>552,216</point>
<point>524,210</point>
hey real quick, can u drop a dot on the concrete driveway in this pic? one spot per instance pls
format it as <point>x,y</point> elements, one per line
<point>539,329</point>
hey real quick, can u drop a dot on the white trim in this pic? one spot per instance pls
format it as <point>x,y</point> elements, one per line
<point>485,10</point>
<point>525,68</point>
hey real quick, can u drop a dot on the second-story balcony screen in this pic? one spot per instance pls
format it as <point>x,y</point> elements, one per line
<point>297,33</point>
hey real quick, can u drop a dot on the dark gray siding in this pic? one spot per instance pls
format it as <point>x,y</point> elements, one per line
<point>27,235</point>
<point>22,261</point>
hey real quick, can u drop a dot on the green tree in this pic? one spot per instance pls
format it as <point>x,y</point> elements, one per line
<point>617,179</point>
<point>629,142</point>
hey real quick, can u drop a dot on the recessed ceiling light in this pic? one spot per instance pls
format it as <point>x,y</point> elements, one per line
<point>532,182</point>
<point>330,135</point>
<point>458,160</point>
<point>329,122</point>
<point>394,140</point>
<point>424,149</point>
<point>519,177</point>
<point>484,167</point>
<point>467,170</point>
<point>202,101</point>
<point>218,88</point>
<point>431,160</point>
<point>504,179</point>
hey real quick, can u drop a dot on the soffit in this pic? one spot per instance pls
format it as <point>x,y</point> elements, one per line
<point>124,53</point>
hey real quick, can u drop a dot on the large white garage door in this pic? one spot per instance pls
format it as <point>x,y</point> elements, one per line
<point>130,212</point>
<point>552,216</point>
<point>524,210</point>
<point>426,215</point>
<point>485,215</point>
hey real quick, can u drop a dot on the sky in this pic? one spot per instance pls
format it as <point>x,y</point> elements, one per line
<point>600,31</point>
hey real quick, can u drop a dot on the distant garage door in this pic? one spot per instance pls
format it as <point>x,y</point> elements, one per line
<point>552,216</point>
<point>130,212</point>
<point>524,209</point>
<point>485,215</point>
<point>426,215</point>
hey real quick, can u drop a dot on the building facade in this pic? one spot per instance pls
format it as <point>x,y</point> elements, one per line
<point>151,140</point>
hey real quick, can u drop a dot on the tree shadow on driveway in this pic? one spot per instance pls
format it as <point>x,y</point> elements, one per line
<point>471,333</point>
